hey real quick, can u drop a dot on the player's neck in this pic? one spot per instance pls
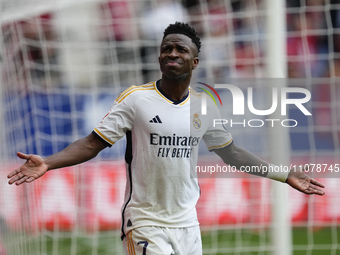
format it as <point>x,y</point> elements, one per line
<point>174,89</point>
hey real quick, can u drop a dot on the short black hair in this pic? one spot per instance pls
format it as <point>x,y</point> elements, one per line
<point>185,29</point>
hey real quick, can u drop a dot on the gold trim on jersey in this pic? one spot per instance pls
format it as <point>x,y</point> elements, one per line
<point>195,93</point>
<point>198,94</point>
<point>186,100</point>
<point>162,95</point>
<point>102,136</point>
<point>129,244</point>
<point>132,89</point>
<point>125,91</point>
<point>220,146</point>
<point>148,86</point>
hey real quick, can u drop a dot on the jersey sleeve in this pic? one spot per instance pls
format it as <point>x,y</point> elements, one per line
<point>118,120</point>
<point>217,136</point>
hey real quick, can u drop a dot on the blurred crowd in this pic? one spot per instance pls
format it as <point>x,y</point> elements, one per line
<point>116,42</point>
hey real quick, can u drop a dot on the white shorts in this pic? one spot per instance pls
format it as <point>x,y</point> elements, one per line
<point>165,241</point>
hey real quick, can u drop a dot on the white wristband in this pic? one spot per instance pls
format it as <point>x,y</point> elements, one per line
<point>277,173</point>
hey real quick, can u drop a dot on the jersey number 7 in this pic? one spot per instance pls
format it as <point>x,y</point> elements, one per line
<point>144,247</point>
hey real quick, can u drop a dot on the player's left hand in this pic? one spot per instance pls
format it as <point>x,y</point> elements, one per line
<point>32,169</point>
<point>300,181</point>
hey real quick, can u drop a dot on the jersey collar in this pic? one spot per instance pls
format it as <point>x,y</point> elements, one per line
<point>175,102</point>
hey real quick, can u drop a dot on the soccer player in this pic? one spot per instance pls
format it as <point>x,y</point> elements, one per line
<point>163,133</point>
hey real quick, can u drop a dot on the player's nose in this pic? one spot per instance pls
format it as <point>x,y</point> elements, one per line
<point>173,53</point>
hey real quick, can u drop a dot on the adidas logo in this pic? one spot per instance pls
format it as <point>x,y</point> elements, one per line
<point>129,223</point>
<point>155,119</point>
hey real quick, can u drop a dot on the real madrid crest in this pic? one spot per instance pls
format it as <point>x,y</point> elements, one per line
<point>196,121</point>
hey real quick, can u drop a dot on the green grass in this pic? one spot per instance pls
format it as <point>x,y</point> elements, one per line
<point>320,241</point>
<point>323,241</point>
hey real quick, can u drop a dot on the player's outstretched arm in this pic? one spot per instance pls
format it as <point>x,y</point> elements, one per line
<point>241,158</point>
<point>80,151</point>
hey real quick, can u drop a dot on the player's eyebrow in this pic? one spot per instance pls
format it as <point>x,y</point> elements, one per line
<point>181,46</point>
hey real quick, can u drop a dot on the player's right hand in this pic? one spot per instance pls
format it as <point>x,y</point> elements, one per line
<point>34,168</point>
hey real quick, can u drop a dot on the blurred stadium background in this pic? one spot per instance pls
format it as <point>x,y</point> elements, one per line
<point>62,63</point>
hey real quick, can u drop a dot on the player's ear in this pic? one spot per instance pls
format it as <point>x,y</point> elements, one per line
<point>195,62</point>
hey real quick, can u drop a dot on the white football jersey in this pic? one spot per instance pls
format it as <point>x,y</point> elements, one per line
<point>162,148</point>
